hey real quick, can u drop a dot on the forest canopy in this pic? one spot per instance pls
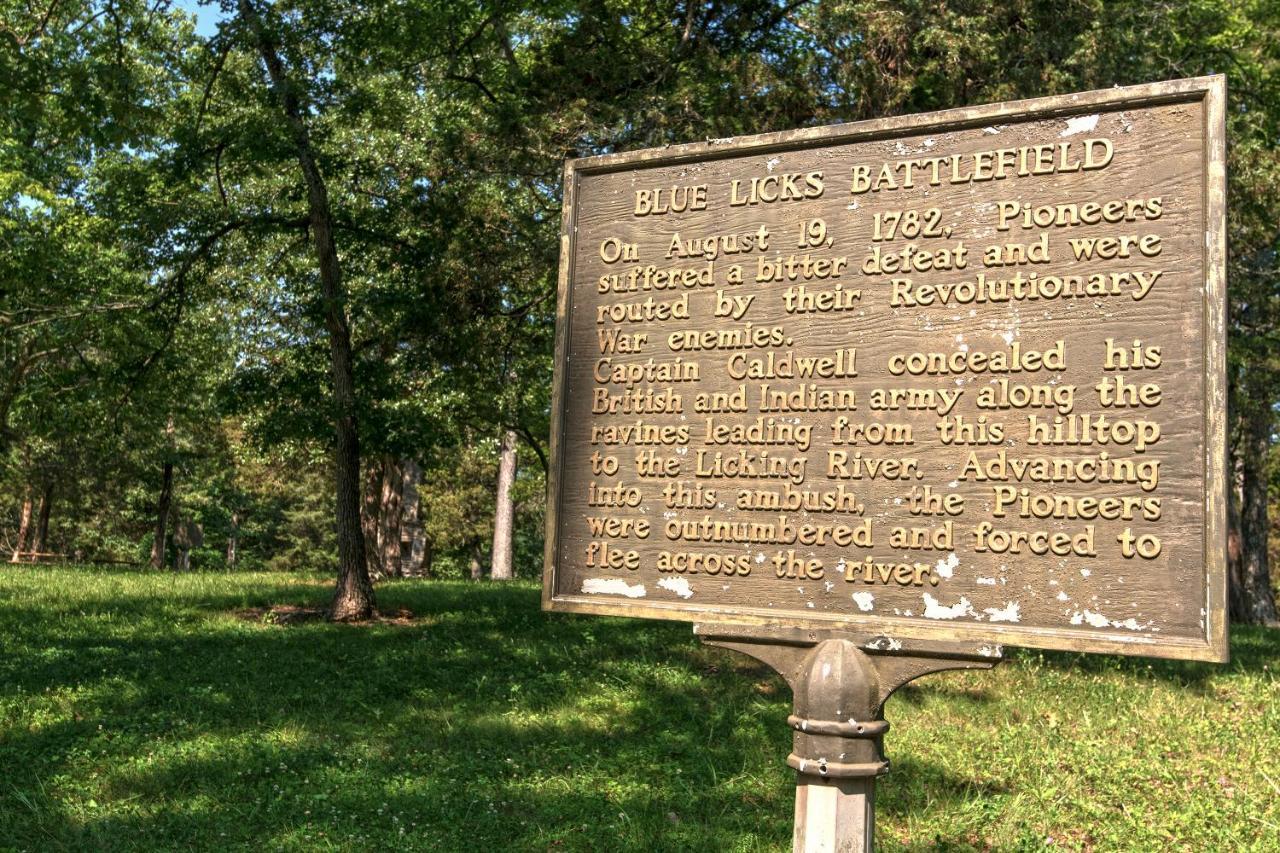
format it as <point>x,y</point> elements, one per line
<point>278,290</point>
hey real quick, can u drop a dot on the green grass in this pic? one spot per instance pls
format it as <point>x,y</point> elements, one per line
<point>139,712</point>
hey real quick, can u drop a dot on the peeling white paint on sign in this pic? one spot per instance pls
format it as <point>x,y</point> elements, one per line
<point>865,601</point>
<point>679,586</point>
<point>1098,620</point>
<point>1008,613</point>
<point>947,567</point>
<point>612,586</point>
<point>934,610</point>
<point>1080,124</point>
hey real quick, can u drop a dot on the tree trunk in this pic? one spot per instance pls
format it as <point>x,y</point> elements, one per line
<point>504,514</point>
<point>411,504</point>
<point>392,506</point>
<point>476,566</point>
<point>162,517</point>
<point>369,525</point>
<point>1237,604</point>
<point>233,541</point>
<point>427,568</point>
<point>1258,599</point>
<point>353,595</point>
<point>41,540</point>
<point>24,529</point>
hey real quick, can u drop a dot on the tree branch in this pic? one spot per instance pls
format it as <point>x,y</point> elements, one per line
<point>475,81</point>
<point>208,86</point>
<point>530,440</point>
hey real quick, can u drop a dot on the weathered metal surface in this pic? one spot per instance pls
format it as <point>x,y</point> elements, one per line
<point>954,377</point>
<point>840,684</point>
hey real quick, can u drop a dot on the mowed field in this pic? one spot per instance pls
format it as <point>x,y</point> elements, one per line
<point>162,712</point>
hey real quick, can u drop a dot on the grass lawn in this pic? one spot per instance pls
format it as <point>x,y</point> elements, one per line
<point>143,712</point>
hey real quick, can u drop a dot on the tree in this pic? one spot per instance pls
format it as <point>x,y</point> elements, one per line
<point>504,517</point>
<point>353,597</point>
<point>1255,278</point>
<point>24,529</point>
<point>362,201</point>
<point>456,517</point>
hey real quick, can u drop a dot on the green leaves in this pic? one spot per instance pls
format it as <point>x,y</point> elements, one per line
<point>155,258</point>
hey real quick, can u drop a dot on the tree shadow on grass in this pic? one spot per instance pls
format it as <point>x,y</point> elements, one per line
<point>912,782</point>
<point>917,693</point>
<point>159,722</point>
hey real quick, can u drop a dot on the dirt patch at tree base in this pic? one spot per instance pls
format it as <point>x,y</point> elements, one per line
<point>292,614</point>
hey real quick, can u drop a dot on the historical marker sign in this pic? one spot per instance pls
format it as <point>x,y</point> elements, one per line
<point>955,376</point>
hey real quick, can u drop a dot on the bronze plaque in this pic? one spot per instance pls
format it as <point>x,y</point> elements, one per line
<point>951,376</point>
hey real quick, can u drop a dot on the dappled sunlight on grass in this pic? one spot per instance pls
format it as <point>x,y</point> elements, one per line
<point>147,712</point>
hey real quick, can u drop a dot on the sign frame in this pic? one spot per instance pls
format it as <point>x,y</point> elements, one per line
<point>1211,93</point>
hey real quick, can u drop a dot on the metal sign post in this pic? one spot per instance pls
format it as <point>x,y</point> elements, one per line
<point>840,683</point>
